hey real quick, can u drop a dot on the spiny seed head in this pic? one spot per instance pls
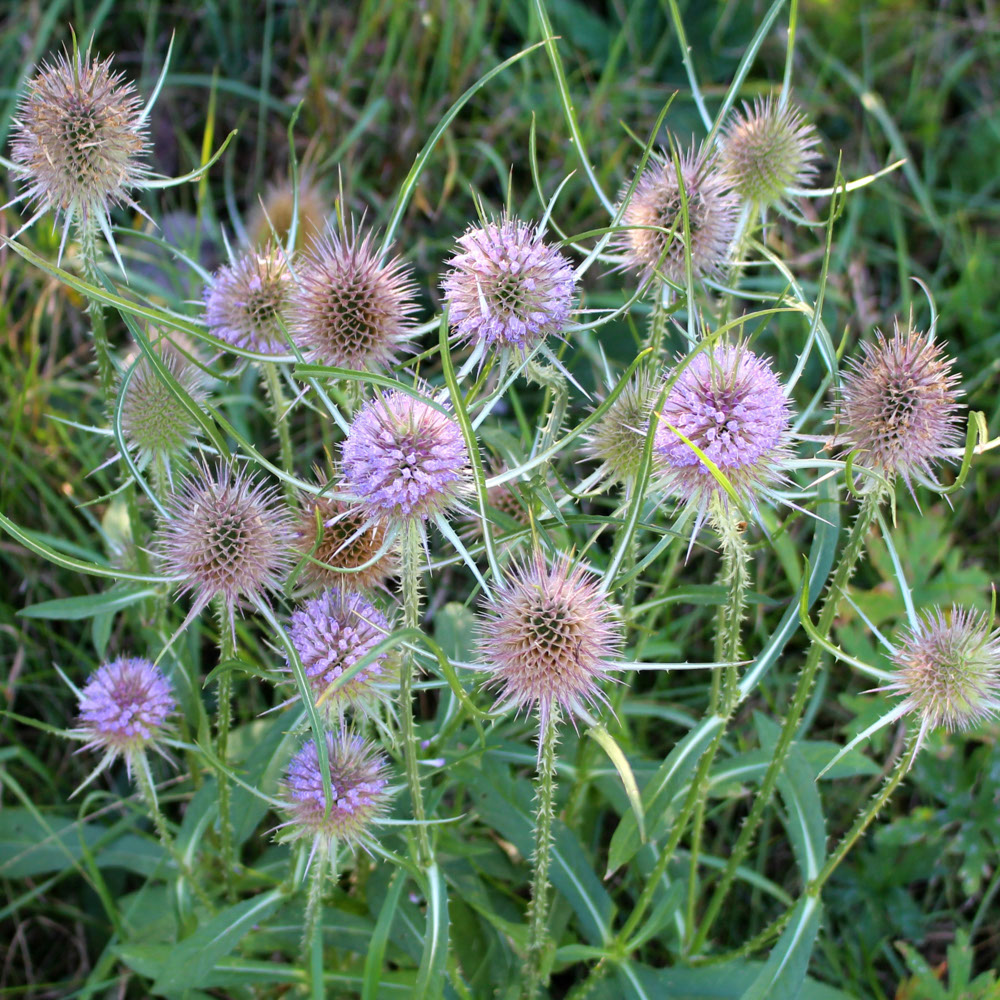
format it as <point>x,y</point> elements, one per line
<point>899,405</point>
<point>359,780</point>
<point>948,669</point>
<point>154,422</point>
<point>405,459</point>
<point>246,303</point>
<point>728,402</point>
<point>506,287</point>
<point>712,209</point>
<point>548,636</point>
<point>349,308</point>
<point>79,138</point>
<point>226,536</point>
<point>331,632</point>
<point>618,439</point>
<point>276,210</point>
<point>124,707</point>
<point>503,497</point>
<point>340,535</point>
<point>768,150</point>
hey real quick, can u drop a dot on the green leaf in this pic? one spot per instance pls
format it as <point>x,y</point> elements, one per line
<point>88,606</point>
<point>610,746</point>
<point>430,978</point>
<point>785,971</point>
<point>376,946</point>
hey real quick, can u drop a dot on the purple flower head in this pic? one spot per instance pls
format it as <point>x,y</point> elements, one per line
<point>226,536</point>
<point>338,534</point>
<point>768,150</point>
<point>246,302</point>
<point>899,405</point>
<point>948,670</point>
<point>548,638</point>
<point>124,707</point>
<point>360,785</point>
<point>713,210</point>
<point>507,287</point>
<point>349,308</point>
<point>730,404</point>
<point>80,139</point>
<point>405,459</point>
<point>331,633</point>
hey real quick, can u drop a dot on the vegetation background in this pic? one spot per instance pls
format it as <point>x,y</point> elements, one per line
<point>881,80</point>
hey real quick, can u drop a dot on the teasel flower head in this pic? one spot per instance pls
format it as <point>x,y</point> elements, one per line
<point>338,534</point>
<point>899,405</point>
<point>948,670</point>
<point>246,303</point>
<point>729,403</point>
<point>405,459</point>
<point>155,424</point>
<point>767,151</point>
<point>226,536</point>
<point>359,780</point>
<point>124,710</point>
<point>273,214</point>
<point>351,309</point>
<point>80,141</point>
<point>712,209</point>
<point>618,439</point>
<point>507,287</point>
<point>548,638</point>
<point>331,633</point>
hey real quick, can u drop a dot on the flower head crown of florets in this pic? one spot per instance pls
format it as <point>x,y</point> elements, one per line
<point>124,708</point>
<point>728,403</point>
<point>246,303</point>
<point>350,308</point>
<point>226,536</point>
<point>768,151</point>
<point>899,405</point>
<point>548,638</point>
<point>654,237</point>
<point>359,780</point>
<point>507,287</point>
<point>331,633</point>
<point>80,138</point>
<point>405,459</point>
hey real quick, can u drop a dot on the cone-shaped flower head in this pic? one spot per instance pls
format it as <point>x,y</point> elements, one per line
<point>226,536</point>
<point>331,632</point>
<point>79,139</point>
<point>154,422</point>
<point>349,308</point>
<point>899,405</point>
<point>549,637</point>
<point>124,707</point>
<point>768,150</point>
<point>506,287</point>
<point>276,213</point>
<point>247,302</point>
<point>729,403</point>
<point>359,780</point>
<point>948,669</point>
<point>712,209</point>
<point>338,534</point>
<point>617,440</point>
<point>405,459</point>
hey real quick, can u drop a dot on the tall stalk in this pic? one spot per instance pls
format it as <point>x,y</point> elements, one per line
<point>272,378</point>
<point>312,930</point>
<point>224,717</point>
<point>411,571</point>
<point>95,311</point>
<point>538,911</point>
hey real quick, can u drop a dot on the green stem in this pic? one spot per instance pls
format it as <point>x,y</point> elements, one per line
<point>411,619</point>
<point>536,975</point>
<point>312,936</point>
<point>657,326</point>
<point>851,554</point>
<point>227,652</point>
<point>91,271</point>
<point>272,378</point>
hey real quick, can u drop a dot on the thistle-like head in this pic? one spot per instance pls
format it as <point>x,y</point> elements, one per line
<point>273,215</point>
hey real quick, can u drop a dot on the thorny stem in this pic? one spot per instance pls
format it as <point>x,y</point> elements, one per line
<point>272,377</point>
<point>105,366</point>
<point>852,551</point>
<point>224,709</point>
<point>538,910</point>
<point>657,325</point>
<point>554,382</point>
<point>411,620</point>
<point>734,575</point>
<point>312,932</point>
